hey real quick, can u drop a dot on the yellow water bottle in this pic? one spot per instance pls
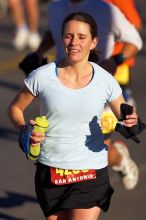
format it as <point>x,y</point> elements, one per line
<point>40,126</point>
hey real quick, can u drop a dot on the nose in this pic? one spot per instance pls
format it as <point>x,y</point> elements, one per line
<point>74,40</point>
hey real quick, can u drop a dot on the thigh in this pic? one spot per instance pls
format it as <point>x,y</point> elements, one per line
<point>62,215</point>
<point>86,214</point>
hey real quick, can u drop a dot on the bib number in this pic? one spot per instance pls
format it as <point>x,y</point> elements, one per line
<point>63,176</point>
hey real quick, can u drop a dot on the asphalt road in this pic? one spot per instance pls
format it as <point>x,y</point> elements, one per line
<point>17,194</point>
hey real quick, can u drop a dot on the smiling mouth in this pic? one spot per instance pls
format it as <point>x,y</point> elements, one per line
<point>70,50</point>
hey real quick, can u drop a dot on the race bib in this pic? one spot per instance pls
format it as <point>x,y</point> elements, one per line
<point>63,176</point>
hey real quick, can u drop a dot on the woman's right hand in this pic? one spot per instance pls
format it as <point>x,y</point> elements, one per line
<point>36,137</point>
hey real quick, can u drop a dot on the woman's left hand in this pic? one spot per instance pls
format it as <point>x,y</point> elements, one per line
<point>131,120</point>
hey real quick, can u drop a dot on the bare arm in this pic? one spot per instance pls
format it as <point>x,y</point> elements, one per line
<point>129,50</point>
<point>23,99</point>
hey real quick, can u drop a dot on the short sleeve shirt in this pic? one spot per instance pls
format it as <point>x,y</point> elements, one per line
<point>74,139</point>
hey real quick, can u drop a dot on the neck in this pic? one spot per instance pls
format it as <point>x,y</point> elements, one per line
<point>75,76</point>
<point>78,69</point>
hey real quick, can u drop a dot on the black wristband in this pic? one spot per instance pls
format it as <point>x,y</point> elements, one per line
<point>119,58</point>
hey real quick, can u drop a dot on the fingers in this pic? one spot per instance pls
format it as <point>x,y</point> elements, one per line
<point>134,110</point>
<point>131,120</point>
<point>32,122</point>
<point>36,138</point>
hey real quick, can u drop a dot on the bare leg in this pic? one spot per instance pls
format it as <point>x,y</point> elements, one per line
<point>18,16</point>
<point>62,215</point>
<point>85,214</point>
<point>114,157</point>
<point>32,15</point>
<point>17,12</point>
<point>32,10</point>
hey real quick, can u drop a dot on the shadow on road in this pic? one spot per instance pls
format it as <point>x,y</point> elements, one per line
<point>8,134</point>
<point>9,85</point>
<point>8,217</point>
<point>13,199</point>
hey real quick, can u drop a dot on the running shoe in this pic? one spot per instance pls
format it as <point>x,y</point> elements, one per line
<point>34,41</point>
<point>21,39</point>
<point>128,169</point>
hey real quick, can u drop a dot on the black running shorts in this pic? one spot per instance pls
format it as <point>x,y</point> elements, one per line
<point>87,194</point>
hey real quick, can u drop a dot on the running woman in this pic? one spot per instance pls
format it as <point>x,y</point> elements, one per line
<point>71,178</point>
<point>111,25</point>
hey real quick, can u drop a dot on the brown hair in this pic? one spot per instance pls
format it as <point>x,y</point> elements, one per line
<point>86,18</point>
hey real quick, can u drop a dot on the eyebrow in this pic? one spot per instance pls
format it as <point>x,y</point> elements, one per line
<point>81,34</point>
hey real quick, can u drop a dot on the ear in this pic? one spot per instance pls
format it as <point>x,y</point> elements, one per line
<point>94,43</point>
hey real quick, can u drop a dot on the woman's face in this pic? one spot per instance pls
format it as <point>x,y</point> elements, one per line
<point>77,41</point>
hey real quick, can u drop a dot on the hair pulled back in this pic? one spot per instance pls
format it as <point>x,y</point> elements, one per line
<point>88,19</point>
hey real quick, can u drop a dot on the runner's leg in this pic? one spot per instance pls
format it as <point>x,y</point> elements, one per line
<point>62,215</point>
<point>85,214</point>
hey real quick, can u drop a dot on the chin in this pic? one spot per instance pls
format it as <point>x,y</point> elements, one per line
<point>73,58</point>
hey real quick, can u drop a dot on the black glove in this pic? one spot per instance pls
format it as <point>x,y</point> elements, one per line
<point>132,131</point>
<point>113,62</point>
<point>31,62</point>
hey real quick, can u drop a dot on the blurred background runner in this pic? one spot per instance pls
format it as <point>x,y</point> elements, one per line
<point>25,16</point>
<point>124,72</point>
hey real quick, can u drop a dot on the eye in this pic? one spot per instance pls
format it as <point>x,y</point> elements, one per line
<point>66,36</point>
<point>82,37</point>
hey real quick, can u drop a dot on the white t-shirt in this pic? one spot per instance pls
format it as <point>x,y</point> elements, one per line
<point>74,139</point>
<point>112,24</point>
